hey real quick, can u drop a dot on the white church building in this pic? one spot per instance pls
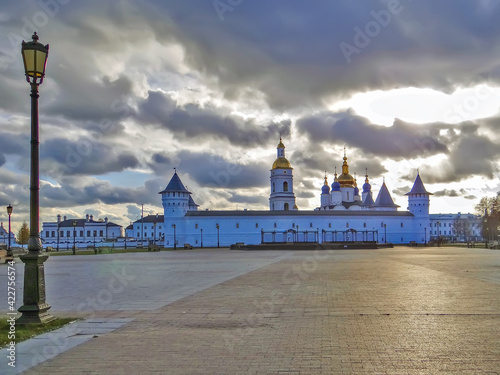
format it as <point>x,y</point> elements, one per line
<point>343,214</point>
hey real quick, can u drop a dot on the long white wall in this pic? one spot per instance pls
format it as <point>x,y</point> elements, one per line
<point>247,229</point>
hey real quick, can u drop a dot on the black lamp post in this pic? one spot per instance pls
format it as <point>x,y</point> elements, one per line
<point>34,309</point>
<point>217,226</point>
<point>9,212</point>
<point>125,239</point>
<point>154,233</point>
<point>58,236</point>
<point>425,229</point>
<point>74,237</point>
<point>175,237</point>
<point>142,225</point>
<point>385,233</point>
<point>201,236</point>
<point>94,238</point>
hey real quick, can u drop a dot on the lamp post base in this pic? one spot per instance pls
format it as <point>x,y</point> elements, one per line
<point>34,309</point>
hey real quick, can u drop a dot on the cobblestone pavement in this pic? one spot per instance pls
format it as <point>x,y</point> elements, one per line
<point>391,311</point>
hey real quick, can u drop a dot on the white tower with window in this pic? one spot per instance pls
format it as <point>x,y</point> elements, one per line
<point>282,197</point>
<point>175,198</point>
<point>418,205</point>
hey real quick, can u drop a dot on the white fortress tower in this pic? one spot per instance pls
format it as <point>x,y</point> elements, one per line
<point>418,205</point>
<point>282,197</point>
<point>176,198</point>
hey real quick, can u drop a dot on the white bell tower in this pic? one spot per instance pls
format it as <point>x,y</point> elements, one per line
<point>282,197</point>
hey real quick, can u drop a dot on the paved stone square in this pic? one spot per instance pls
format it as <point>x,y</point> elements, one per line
<point>392,311</point>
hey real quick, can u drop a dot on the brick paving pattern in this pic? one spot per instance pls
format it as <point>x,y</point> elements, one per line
<point>393,311</point>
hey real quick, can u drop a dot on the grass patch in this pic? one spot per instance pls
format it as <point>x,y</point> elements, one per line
<point>25,332</point>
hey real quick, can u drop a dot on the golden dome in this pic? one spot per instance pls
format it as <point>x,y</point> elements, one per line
<point>281,163</point>
<point>346,180</point>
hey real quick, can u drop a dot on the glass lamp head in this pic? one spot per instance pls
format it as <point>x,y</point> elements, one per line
<point>35,59</point>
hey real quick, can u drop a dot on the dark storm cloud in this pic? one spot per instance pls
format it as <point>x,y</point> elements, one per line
<point>450,193</point>
<point>192,120</point>
<point>96,100</point>
<point>291,51</point>
<point>211,170</point>
<point>78,192</point>
<point>314,161</point>
<point>15,144</point>
<point>473,155</point>
<point>84,157</point>
<point>398,141</point>
<point>454,193</point>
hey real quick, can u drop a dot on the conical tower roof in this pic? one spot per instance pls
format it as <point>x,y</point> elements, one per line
<point>191,202</point>
<point>418,187</point>
<point>384,198</point>
<point>368,200</point>
<point>175,185</point>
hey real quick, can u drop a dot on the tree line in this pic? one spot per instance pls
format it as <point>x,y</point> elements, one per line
<point>489,210</point>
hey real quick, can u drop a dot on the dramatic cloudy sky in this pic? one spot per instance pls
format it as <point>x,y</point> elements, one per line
<point>134,89</point>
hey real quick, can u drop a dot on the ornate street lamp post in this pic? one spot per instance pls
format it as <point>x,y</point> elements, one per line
<point>34,309</point>
<point>74,237</point>
<point>154,233</point>
<point>175,238</point>
<point>9,212</point>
